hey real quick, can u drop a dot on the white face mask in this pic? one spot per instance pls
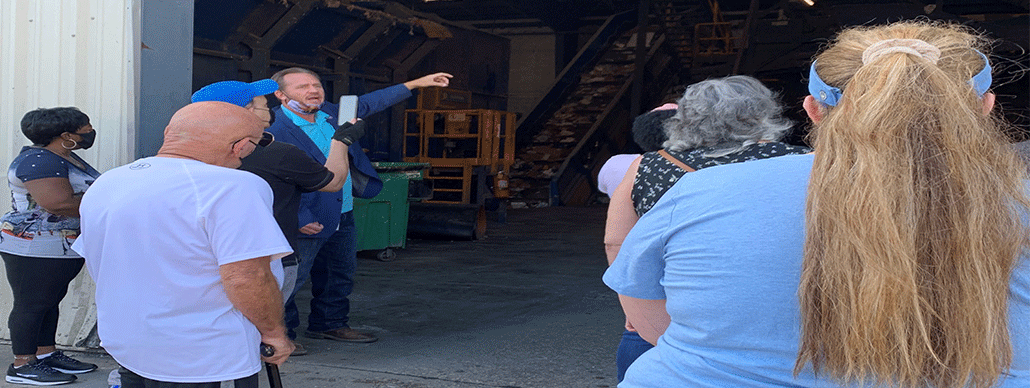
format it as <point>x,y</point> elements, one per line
<point>302,107</point>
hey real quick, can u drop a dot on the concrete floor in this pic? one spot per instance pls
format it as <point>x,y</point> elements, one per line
<point>524,307</point>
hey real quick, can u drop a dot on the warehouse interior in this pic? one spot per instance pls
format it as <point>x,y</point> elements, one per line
<point>570,74</point>
<point>544,91</point>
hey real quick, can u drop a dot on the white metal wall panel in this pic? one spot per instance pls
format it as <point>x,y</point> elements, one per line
<point>81,53</point>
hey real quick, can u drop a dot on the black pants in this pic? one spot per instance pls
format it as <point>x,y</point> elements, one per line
<point>133,380</point>
<point>38,285</point>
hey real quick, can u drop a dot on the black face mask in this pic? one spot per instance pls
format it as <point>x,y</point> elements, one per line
<point>87,139</point>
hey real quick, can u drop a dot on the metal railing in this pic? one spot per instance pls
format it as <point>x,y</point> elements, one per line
<point>566,81</point>
<point>573,183</point>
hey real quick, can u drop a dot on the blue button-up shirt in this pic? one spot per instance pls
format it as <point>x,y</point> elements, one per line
<point>321,133</point>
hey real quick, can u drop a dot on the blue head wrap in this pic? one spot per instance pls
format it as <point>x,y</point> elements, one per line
<point>830,95</point>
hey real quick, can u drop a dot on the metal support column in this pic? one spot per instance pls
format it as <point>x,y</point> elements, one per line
<point>400,74</point>
<point>639,59</point>
<point>166,69</point>
<point>749,25</point>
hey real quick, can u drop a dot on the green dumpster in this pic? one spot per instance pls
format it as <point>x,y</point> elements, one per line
<point>381,222</point>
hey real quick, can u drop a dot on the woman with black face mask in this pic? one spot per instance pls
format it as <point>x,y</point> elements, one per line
<point>47,181</point>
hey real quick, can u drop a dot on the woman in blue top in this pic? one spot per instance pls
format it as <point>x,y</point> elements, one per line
<point>47,181</point>
<point>891,257</point>
<point>716,121</point>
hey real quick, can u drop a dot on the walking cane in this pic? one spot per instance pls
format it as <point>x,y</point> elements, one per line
<point>274,380</point>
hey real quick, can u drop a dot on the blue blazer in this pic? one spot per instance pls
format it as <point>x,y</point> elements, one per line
<point>324,207</point>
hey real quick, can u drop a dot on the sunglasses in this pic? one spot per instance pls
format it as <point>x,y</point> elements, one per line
<point>266,139</point>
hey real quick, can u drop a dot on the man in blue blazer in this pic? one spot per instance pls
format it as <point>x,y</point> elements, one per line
<point>327,247</point>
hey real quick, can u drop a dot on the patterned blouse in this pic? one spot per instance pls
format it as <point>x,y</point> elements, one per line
<point>656,175</point>
<point>28,229</point>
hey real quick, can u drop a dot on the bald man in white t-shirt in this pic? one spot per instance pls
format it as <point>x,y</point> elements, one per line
<point>185,254</point>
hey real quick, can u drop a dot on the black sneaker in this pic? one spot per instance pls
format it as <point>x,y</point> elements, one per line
<point>37,373</point>
<point>62,363</point>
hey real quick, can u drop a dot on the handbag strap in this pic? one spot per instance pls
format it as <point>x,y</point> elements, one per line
<point>675,161</point>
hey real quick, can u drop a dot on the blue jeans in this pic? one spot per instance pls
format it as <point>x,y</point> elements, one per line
<point>630,347</point>
<point>330,264</point>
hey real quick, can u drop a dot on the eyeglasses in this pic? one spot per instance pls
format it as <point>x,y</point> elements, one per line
<point>266,139</point>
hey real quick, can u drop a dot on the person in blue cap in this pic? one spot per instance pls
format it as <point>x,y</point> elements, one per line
<point>288,170</point>
<point>248,95</point>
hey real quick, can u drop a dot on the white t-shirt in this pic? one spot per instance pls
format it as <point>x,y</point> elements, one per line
<point>154,234</point>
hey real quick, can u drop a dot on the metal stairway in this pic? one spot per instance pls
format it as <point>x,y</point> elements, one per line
<point>586,119</point>
<point>558,163</point>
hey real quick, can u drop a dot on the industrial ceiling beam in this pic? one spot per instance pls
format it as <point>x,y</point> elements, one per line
<point>293,16</point>
<point>368,37</point>
<point>382,43</point>
<point>256,20</point>
<point>259,62</point>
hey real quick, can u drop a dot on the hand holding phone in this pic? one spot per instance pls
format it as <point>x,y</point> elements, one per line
<point>348,109</point>
<point>349,133</point>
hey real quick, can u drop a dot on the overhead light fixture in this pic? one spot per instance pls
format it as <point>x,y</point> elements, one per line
<point>810,3</point>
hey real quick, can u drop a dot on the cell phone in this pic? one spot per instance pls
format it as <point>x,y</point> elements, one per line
<point>348,108</point>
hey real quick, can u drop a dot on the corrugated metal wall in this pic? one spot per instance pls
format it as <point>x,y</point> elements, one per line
<point>81,53</point>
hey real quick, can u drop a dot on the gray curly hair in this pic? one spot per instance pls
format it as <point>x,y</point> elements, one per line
<point>727,114</point>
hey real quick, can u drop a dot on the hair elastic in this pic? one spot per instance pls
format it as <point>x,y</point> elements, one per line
<point>830,95</point>
<point>917,47</point>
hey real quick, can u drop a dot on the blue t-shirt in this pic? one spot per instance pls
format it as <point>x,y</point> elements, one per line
<point>321,133</point>
<point>724,247</point>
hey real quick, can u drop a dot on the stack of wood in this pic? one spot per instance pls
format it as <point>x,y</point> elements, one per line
<point>537,163</point>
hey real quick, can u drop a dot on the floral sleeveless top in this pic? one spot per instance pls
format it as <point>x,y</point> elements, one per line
<point>28,229</point>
